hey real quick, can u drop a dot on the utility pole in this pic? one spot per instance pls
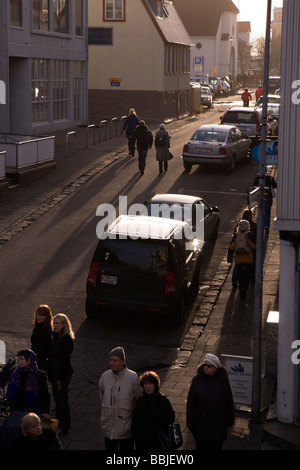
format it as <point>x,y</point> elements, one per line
<point>257,327</point>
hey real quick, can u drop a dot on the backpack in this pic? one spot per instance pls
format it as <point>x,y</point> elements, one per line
<point>241,244</point>
<point>161,140</point>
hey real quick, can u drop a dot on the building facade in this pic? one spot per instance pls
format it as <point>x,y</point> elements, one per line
<point>138,58</point>
<point>288,219</point>
<point>43,65</point>
<point>212,27</point>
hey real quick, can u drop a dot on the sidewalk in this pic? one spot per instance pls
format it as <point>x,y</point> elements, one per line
<point>222,323</point>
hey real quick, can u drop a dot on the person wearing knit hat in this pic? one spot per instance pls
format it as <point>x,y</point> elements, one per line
<point>210,408</point>
<point>119,388</point>
<point>119,352</point>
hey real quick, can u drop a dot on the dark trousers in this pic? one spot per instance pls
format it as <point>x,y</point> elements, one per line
<point>244,273</point>
<point>62,409</point>
<point>119,444</point>
<point>163,163</point>
<point>131,146</point>
<point>268,206</point>
<point>246,104</point>
<point>142,160</point>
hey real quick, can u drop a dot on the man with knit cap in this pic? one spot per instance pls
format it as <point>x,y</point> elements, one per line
<point>119,388</point>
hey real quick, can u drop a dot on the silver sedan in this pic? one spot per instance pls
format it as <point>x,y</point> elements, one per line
<point>216,144</point>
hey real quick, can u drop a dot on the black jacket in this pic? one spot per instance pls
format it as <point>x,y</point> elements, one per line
<point>59,363</point>
<point>210,409</point>
<point>143,137</point>
<point>40,343</point>
<point>152,413</point>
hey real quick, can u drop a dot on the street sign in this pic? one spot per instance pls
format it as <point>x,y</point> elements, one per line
<point>115,81</point>
<point>198,64</point>
<point>271,152</point>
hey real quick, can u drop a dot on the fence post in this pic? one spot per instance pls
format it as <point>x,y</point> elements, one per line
<point>87,134</point>
<point>103,124</point>
<point>113,121</point>
<point>67,141</point>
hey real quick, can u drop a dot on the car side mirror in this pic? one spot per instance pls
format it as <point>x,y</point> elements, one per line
<point>215,209</point>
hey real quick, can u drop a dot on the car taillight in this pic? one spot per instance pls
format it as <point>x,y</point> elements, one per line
<point>185,148</point>
<point>170,283</point>
<point>92,277</point>
<point>222,151</point>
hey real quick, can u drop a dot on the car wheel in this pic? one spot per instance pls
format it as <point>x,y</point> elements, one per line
<point>187,166</point>
<point>231,166</point>
<point>91,309</point>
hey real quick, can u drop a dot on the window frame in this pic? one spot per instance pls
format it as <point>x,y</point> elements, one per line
<point>113,2</point>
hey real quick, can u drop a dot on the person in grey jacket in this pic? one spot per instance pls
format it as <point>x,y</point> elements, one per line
<point>162,145</point>
<point>119,388</point>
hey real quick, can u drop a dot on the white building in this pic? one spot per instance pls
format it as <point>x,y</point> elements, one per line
<point>212,26</point>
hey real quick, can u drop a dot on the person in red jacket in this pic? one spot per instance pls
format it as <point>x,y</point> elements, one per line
<point>259,92</point>
<point>246,97</point>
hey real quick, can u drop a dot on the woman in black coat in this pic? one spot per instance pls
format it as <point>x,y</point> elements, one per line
<point>210,409</point>
<point>60,369</point>
<point>153,412</point>
<point>42,334</point>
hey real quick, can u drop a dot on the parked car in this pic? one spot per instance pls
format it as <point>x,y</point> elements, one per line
<point>247,119</point>
<point>273,84</point>
<point>206,97</point>
<point>216,144</point>
<point>186,208</point>
<point>144,264</point>
<point>271,99</point>
<point>272,117</point>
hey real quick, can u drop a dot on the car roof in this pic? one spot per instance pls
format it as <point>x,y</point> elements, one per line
<point>139,226</point>
<point>173,198</point>
<point>246,109</point>
<point>216,127</point>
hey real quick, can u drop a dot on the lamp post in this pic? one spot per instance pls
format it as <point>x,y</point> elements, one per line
<point>257,327</point>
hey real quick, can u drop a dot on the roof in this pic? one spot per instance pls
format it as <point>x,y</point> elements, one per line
<point>202,17</point>
<point>244,26</point>
<point>169,25</point>
<point>138,226</point>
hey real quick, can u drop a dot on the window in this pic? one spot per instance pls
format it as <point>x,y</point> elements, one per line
<point>78,89</point>
<point>51,15</point>
<point>79,18</point>
<point>16,13</point>
<point>60,90</point>
<point>114,10</point>
<point>40,90</point>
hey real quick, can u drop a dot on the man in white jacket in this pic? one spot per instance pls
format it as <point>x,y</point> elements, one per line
<point>119,388</point>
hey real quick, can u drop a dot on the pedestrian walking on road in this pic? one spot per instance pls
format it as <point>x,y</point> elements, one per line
<point>242,247</point>
<point>129,126</point>
<point>210,409</point>
<point>27,389</point>
<point>42,334</point>
<point>119,388</point>
<point>153,413</point>
<point>144,140</point>
<point>60,369</point>
<point>259,92</point>
<point>246,97</point>
<point>162,145</point>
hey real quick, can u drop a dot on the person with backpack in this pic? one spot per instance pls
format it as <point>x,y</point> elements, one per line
<point>143,138</point>
<point>242,247</point>
<point>162,145</point>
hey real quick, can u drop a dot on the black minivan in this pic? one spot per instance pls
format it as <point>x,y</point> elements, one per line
<point>144,264</point>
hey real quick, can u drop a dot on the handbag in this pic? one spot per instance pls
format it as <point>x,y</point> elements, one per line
<point>171,439</point>
<point>170,155</point>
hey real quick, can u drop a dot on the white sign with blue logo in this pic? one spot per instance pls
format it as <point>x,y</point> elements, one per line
<point>271,152</point>
<point>239,370</point>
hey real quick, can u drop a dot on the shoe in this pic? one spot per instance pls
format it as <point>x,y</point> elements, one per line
<point>142,172</point>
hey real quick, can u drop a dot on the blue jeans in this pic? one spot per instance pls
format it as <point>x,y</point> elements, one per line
<point>142,160</point>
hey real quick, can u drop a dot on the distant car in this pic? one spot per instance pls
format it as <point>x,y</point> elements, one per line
<point>185,208</point>
<point>247,119</point>
<point>194,84</point>
<point>144,264</point>
<point>216,144</point>
<point>271,99</point>
<point>206,97</point>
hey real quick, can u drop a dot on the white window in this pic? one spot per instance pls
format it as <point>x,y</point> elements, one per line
<point>40,90</point>
<point>60,90</point>
<point>51,15</point>
<point>114,10</point>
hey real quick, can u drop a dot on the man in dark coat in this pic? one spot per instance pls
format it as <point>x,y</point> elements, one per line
<point>210,409</point>
<point>144,139</point>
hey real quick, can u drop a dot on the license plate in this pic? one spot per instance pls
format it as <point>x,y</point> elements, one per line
<point>203,150</point>
<point>105,279</point>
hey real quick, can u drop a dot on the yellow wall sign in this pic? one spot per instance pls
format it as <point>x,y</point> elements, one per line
<point>115,81</point>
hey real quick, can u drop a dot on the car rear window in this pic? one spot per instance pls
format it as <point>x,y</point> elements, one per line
<point>144,256</point>
<point>209,136</point>
<point>240,117</point>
